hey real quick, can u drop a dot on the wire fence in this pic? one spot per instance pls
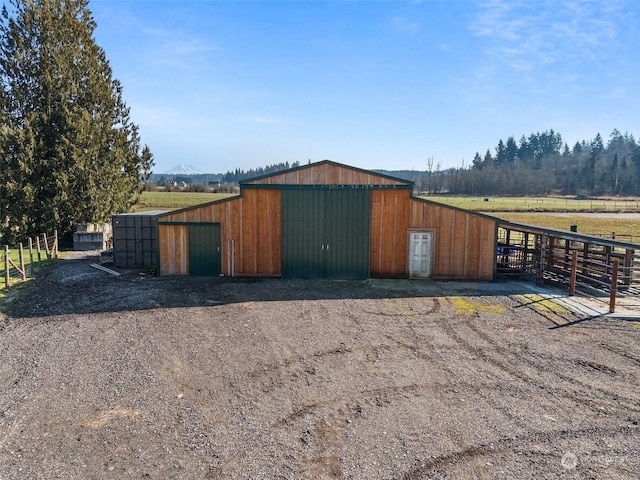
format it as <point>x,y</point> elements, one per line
<point>20,262</point>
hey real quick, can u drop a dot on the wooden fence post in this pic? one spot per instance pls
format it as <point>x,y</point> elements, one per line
<point>39,252</point>
<point>574,268</point>
<point>55,243</point>
<point>30,256</point>
<point>22,269</point>
<point>46,245</point>
<point>614,286</point>
<point>6,266</point>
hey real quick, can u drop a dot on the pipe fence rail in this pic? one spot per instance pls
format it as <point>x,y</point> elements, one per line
<point>598,268</point>
<point>594,270</point>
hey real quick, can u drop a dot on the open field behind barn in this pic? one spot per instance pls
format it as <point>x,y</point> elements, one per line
<point>624,228</point>
<point>190,378</point>
<point>175,200</point>
<point>540,204</point>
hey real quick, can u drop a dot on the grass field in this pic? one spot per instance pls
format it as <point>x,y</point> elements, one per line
<point>535,204</point>
<point>539,211</point>
<point>174,200</point>
<point>623,227</point>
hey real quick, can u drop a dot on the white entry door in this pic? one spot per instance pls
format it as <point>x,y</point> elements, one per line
<point>420,254</point>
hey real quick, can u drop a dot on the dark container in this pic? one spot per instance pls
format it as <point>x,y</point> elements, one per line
<point>135,239</point>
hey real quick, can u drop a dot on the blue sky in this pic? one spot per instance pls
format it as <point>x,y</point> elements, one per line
<point>378,85</point>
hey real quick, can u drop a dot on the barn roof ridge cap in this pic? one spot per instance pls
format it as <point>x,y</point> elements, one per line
<point>248,181</point>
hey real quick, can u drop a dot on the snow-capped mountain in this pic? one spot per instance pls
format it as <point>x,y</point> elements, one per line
<point>183,169</point>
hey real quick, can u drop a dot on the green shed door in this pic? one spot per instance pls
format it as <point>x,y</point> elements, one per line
<point>204,250</point>
<point>325,233</point>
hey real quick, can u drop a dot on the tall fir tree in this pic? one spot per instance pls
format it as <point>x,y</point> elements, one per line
<point>69,152</point>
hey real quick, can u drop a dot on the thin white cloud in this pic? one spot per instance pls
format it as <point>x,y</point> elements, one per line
<point>405,26</point>
<point>617,93</point>
<point>529,38</point>
<point>176,48</point>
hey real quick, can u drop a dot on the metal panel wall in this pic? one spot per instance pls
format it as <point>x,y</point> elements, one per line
<point>347,233</point>
<point>302,233</point>
<point>135,240</point>
<point>325,233</point>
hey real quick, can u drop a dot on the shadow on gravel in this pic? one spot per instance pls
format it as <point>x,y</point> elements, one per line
<point>72,286</point>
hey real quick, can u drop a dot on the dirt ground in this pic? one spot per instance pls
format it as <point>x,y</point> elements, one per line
<point>171,378</point>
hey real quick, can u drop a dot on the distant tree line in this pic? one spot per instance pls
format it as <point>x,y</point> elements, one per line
<point>538,164</point>
<point>239,175</point>
<point>542,164</point>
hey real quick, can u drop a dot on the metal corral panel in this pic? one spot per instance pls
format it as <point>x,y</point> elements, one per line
<point>135,237</point>
<point>204,249</point>
<point>326,233</point>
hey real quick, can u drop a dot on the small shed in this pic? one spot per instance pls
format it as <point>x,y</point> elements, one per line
<point>135,239</point>
<point>327,220</point>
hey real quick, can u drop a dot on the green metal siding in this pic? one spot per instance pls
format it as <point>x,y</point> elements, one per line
<point>326,233</point>
<point>204,250</point>
<point>347,227</point>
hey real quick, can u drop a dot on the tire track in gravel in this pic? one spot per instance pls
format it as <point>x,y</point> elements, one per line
<point>543,365</point>
<point>495,354</point>
<point>322,423</point>
<point>524,444</point>
<point>621,352</point>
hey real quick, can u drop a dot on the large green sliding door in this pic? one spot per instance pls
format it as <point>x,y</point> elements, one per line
<point>204,249</point>
<point>325,233</point>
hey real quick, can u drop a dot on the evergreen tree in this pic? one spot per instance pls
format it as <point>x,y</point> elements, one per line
<point>511,150</point>
<point>488,159</point>
<point>614,174</point>
<point>69,152</point>
<point>477,162</point>
<point>501,154</point>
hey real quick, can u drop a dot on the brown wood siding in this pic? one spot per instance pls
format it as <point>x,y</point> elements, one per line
<point>389,233</point>
<point>250,227</point>
<point>464,242</point>
<point>261,252</point>
<point>327,174</point>
<point>173,249</point>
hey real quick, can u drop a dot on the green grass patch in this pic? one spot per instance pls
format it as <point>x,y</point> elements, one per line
<point>468,307</point>
<point>175,200</point>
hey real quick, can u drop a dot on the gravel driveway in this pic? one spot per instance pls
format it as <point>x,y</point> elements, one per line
<point>179,377</point>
